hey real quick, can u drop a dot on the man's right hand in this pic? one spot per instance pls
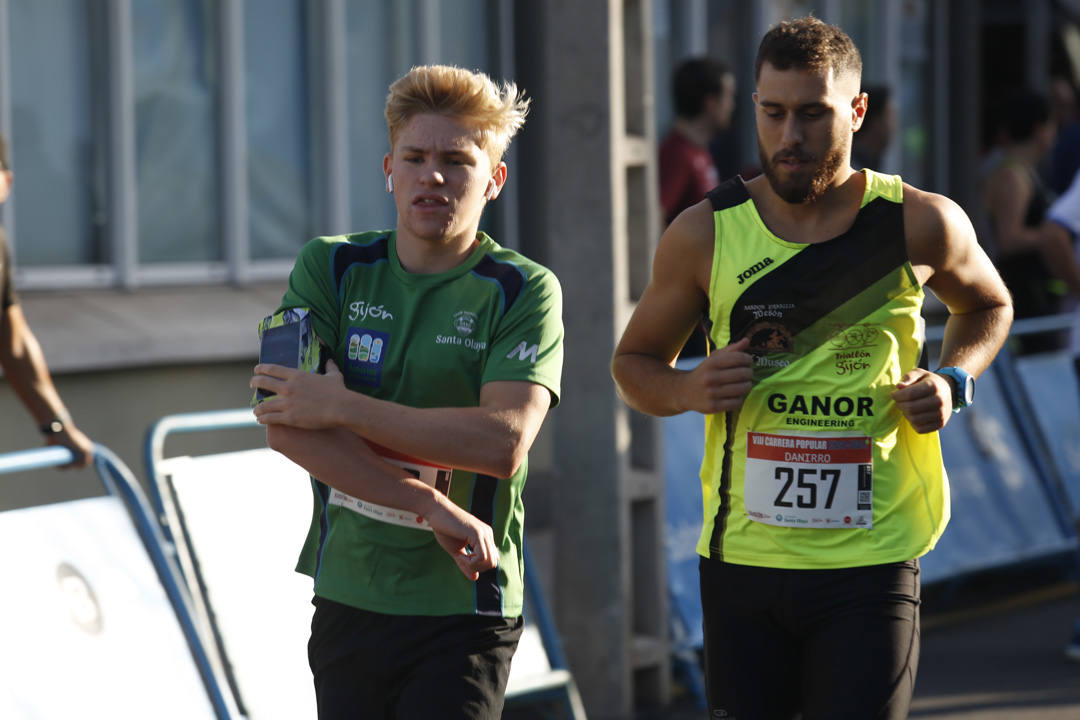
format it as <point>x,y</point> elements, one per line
<point>722,381</point>
<point>82,447</point>
<point>468,540</point>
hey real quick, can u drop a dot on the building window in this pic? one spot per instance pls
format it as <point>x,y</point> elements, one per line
<point>370,27</point>
<point>279,172</point>
<point>205,141</point>
<point>175,86</point>
<point>58,192</point>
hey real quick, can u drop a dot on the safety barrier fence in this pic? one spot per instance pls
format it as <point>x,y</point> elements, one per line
<point>95,617</point>
<point>160,606</point>
<point>185,605</point>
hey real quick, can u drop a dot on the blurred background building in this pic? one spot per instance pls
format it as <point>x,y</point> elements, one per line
<point>172,156</point>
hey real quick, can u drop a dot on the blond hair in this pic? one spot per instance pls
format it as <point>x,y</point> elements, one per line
<point>495,112</point>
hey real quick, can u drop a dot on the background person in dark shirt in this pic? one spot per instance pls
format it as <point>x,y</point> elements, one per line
<point>22,360</point>
<point>868,146</point>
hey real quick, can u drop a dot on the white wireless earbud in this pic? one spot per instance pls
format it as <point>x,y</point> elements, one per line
<point>390,182</point>
<point>492,189</point>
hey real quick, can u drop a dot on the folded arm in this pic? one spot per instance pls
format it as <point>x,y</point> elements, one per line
<point>493,437</point>
<point>342,460</point>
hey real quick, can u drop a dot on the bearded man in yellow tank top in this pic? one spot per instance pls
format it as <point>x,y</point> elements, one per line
<point>822,479</point>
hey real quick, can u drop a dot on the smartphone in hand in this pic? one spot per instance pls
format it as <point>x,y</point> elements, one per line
<point>286,338</point>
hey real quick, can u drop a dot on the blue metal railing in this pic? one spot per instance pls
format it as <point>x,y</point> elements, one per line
<point>193,422</point>
<point>1027,326</point>
<point>119,481</point>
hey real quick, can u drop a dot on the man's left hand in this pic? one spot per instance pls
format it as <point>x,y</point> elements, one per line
<point>925,399</point>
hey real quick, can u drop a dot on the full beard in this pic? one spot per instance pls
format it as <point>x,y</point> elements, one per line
<point>798,191</point>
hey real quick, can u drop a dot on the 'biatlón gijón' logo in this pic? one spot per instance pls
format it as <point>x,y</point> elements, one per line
<point>853,346</point>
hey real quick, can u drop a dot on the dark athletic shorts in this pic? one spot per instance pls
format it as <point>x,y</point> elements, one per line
<point>836,644</point>
<point>370,665</point>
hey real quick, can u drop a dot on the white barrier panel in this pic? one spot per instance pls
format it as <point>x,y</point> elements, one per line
<point>530,665</point>
<point>86,630</point>
<point>246,515</point>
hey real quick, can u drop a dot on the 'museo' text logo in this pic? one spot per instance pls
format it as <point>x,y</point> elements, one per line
<point>768,339</point>
<point>753,270</point>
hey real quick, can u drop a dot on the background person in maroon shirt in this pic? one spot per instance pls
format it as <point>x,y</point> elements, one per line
<point>704,94</point>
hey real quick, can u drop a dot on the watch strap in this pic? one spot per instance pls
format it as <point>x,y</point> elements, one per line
<point>963,384</point>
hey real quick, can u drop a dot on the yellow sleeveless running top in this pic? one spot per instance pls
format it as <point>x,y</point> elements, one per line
<point>818,468</point>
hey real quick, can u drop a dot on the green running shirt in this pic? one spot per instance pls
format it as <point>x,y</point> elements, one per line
<point>818,468</point>
<point>424,341</point>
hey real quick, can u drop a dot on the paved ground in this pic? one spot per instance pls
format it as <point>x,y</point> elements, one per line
<point>1005,662</point>
<point>991,650</point>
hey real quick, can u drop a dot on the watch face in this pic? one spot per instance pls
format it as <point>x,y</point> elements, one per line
<point>969,390</point>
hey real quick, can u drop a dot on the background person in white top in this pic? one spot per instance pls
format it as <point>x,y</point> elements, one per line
<point>1063,227</point>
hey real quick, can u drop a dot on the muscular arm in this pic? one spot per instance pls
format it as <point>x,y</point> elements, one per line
<point>665,315</point>
<point>342,460</point>
<point>492,438</point>
<point>26,372</point>
<point>947,258</point>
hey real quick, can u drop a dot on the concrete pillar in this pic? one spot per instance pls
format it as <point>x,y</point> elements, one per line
<point>965,24</point>
<point>589,211</point>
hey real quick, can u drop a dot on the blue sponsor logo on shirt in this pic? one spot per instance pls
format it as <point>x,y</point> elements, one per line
<point>364,353</point>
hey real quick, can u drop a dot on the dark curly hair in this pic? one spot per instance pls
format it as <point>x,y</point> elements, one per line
<point>808,43</point>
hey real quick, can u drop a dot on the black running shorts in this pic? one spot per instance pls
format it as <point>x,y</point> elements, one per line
<point>831,644</point>
<point>370,665</point>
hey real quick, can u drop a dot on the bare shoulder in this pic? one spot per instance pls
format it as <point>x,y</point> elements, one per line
<point>936,229</point>
<point>946,256</point>
<point>693,227</point>
<point>677,293</point>
<point>686,247</point>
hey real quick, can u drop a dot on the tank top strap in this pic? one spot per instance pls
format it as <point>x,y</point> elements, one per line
<point>890,187</point>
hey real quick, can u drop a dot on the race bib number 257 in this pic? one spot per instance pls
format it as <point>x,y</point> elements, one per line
<point>810,481</point>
